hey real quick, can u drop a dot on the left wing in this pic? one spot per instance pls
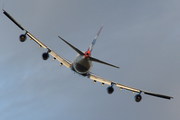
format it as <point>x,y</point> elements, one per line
<point>111,83</point>
<point>64,61</point>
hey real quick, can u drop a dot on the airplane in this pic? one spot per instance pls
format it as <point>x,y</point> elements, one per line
<point>83,62</point>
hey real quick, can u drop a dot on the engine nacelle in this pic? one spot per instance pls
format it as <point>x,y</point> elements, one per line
<point>110,90</point>
<point>45,56</point>
<point>22,37</point>
<point>138,98</point>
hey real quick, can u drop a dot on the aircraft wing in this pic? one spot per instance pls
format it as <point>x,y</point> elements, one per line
<point>63,61</point>
<point>111,83</point>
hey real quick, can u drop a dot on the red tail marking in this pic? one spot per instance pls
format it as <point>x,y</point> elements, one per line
<point>87,54</point>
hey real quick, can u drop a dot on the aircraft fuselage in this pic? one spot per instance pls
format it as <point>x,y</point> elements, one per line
<point>81,65</point>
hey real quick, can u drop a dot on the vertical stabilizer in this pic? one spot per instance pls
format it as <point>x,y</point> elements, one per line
<point>94,41</point>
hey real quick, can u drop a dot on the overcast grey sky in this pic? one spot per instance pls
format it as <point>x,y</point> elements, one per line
<point>142,37</point>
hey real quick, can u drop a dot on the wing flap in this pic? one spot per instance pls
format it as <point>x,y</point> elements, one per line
<point>60,58</point>
<point>109,82</point>
<point>99,79</point>
<point>36,40</point>
<point>65,62</point>
<point>127,88</point>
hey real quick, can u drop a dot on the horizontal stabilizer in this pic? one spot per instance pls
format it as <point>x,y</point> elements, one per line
<point>77,50</point>
<point>99,61</point>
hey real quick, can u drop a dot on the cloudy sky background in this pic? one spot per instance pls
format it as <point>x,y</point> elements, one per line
<point>142,37</point>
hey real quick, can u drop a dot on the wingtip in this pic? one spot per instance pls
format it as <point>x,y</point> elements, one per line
<point>116,66</point>
<point>158,95</point>
<point>59,37</point>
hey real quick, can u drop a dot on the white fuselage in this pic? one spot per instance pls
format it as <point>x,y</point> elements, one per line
<point>82,65</point>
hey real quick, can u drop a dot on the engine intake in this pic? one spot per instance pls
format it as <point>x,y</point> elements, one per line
<point>138,98</point>
<point>45,56</point>
<point>22,37</point>
<point>110,90</point>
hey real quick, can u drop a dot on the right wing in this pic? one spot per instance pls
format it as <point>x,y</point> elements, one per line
<point>111,83</point>
<point>63,61</point>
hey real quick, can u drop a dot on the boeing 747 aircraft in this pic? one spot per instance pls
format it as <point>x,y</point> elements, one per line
<point>82,63</point>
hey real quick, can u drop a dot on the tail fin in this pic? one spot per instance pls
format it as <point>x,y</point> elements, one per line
<point>94,41</point>
<point>88,52</point>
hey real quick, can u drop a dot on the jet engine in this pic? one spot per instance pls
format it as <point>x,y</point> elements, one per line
<point>45,56</point>
<point>22,37</point>
<point>110,90</point>
<point>138,98</point>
